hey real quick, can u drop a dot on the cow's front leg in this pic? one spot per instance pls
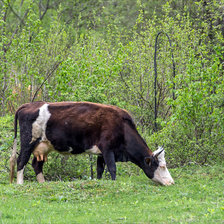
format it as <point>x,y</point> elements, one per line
<point>109,159</point>
<point>38,169</point>
<point>100,166</point>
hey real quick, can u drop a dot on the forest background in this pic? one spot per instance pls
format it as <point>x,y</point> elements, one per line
<point>103,51</point>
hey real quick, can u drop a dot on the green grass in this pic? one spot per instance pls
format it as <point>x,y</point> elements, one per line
<point>197,197</point>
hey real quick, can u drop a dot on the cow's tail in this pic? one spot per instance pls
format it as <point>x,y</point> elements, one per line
<point>14,150</point>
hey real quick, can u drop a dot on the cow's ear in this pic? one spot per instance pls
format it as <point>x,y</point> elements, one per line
<point>148,160</point>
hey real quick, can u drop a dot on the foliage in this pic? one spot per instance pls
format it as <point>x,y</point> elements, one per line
<point>102,51</point>
<point>196,197</point>
<point>6,134</point>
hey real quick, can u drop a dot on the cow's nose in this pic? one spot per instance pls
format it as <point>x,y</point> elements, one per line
<point>169,182</point>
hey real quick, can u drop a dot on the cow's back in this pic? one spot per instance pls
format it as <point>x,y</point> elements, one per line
<point>81,125</point>
<point>74,126</point>
<point>29,111</point>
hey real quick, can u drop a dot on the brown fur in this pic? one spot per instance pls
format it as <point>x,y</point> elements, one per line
<point>75,127</point>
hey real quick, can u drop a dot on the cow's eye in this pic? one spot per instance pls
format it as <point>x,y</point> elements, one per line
<point>148,161</point>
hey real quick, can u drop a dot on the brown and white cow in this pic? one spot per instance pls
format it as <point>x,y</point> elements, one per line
<point>78,127</point>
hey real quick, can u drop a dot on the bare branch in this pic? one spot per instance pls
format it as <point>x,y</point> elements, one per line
<point>45,9</point>
<point>141,96</point>
<point>49,73</point>
<point>17,29</point>
<point>21,20</point>
<point>21,3</point>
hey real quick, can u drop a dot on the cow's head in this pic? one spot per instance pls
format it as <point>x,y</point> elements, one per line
<point>159,171</point>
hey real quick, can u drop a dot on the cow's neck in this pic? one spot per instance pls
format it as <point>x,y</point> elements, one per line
<point>136,148</point>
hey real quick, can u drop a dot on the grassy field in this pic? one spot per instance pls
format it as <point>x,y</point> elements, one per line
<point>197,197</point>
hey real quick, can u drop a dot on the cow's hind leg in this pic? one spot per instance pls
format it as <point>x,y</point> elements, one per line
<point>100,166</point>
<point>24,156</point>
<point>38,169</point>
<point>21,163</point>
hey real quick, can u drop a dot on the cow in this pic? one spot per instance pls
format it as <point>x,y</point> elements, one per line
<point>83,127</point>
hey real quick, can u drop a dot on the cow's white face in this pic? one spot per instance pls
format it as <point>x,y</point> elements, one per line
<point>161,174</point>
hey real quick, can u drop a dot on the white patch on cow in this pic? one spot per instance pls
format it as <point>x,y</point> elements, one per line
<point>161,157</point>
<point>162,175</point>
<point>70,149</point>
<point>20,176</point>
<point>94,150</point>
<point>66,153</point>
<point>39,126</point>
<point>40,178</point>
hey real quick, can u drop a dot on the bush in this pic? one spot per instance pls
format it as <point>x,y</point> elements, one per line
<point>6,140</point>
